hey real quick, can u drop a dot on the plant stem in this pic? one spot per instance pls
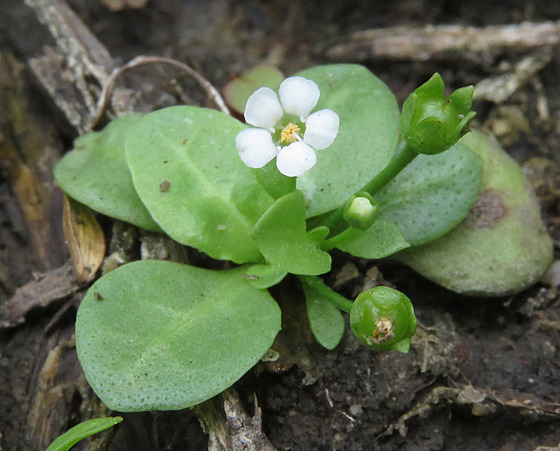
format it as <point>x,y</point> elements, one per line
<point>395,166</point>
<point>318,285</point>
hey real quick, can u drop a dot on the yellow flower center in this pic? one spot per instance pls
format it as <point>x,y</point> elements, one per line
<point>289,133</point>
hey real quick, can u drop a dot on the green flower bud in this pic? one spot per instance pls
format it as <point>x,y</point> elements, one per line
<point>383,319</point>
<point>432,123</point>
<point>360,211</point>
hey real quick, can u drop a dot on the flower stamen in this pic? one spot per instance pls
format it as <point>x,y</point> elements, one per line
<point>292,145</point>
<point>290,133</point>
<point>383,330</point>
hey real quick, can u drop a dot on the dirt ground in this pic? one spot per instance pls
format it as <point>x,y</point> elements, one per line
<point>482,374</point>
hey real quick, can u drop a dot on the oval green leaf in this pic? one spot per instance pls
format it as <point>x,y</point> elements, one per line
<point>187,171</point>
<point>284,241</point>
<point>238,90</point>
<point>382,239</point>
<point>155,335</point>
<point>326,321</point>
<point>81,431</point>
<point>502,245</point>
<point>263,276</point>
<point>432,194</point>
<point>366,140</point>
<point>95,173</point>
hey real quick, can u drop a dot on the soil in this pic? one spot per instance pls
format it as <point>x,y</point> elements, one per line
<point>482,373</point>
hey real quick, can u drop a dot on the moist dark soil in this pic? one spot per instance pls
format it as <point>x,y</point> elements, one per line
<point>482,374</point>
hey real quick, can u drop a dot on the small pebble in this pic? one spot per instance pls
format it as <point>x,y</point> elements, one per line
<point>356,410</point>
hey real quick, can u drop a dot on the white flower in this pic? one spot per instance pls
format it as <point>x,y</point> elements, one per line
<point>280,124</point>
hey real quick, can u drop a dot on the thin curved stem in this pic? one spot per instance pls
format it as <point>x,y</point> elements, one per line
<point>396,165</point>
<point>109,85</point>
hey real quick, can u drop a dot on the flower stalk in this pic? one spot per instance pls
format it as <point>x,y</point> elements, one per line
<point>396,165</point>
<point>430,123</point>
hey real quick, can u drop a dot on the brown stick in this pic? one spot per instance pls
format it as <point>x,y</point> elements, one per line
<point>87,63</point>
<point>444,41</point>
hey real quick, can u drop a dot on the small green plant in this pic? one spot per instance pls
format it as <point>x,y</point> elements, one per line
<point>319,166</point>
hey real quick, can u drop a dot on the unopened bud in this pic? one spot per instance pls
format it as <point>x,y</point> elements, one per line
<point>430,122</point>
<point>360,211</point>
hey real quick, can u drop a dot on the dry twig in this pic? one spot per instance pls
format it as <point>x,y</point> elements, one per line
<point>500,88</point>
<point>46,288</point>
<point>482,401</point>
<point>74,81</point>
<point>444,41</point>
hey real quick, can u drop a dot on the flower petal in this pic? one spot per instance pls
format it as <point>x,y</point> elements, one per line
<point>299,96</point>
<point>295,159</point>
<point>321,129</point>
<point>263,109</point>
<point>255,147</point>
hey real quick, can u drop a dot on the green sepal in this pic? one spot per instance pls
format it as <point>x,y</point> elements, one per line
<point>462,99</point>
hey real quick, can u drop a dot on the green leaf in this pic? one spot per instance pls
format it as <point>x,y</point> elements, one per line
<point>81,431</point>
<point>282,238</point>
<point>211,200</point>
<point>238,90</point>
<point>366,140</point>
<point>273,182</point>
<point>155,335</point>
<point>326,321</point>
<point>382,239</point>
<point>432,194</point>
<point>502,245</point>
<point>264,276</point>
<point>96,174</point>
